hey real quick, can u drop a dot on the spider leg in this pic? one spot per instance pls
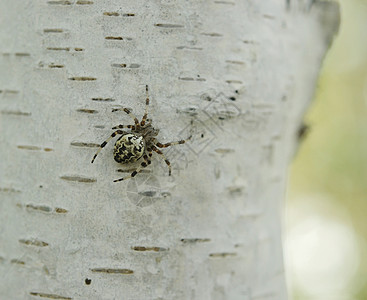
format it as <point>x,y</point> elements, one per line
<point>144,164</point>
<point>130,170</point>
<point>143,120</point>
<point>136,121</point>
<point>106,141</point>
<point>124,126</point>
<point>172,143</point>
<point>165,159</point>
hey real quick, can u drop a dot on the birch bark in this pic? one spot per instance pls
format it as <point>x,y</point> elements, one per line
<point>237,75</point>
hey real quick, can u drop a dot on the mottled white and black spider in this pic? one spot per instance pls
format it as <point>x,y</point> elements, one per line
<point>139,143</point>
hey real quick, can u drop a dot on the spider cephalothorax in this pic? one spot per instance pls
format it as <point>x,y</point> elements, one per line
<point>139,143</point>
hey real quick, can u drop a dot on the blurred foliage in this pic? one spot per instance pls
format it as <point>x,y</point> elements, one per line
<point>332,159</point>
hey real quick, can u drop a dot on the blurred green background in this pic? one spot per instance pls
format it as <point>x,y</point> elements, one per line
<point>326,227</point>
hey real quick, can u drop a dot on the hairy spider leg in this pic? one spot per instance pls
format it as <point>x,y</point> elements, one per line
<point>172,143</point>
<point>106,141</point>
<point>124,126</point>
<point>165,159</point>
<point>144,164</point>
<point>136,121</point>
<point>132,169</point>
<point>143,120</point>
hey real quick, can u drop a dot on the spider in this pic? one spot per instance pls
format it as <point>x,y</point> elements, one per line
<point>139,143</point>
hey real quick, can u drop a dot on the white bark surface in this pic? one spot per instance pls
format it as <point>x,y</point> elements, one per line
<point>238,75</point>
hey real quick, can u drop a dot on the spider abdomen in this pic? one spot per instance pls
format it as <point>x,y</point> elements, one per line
<point>129,148</point>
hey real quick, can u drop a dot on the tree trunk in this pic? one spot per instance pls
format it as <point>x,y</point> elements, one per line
<point>236,75</point>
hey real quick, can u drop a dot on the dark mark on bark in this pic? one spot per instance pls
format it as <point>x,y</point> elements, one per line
<point>223,254</point>
<point>131,66</point>
<point>148,193</point>
<point>17,261</point>
<point>82,78</point>
<point>118,65</point>
<point>191,79</point>
<point>195,240</point>
<point>50,296</point>
<point>112,271</point>
<point>234,81</point>
<point>22,54</point>
<point>82,144</point>
<point>84,2</point>
<point>224,150</point>
<point>33,242</point>
<point>58,48</point>
<point>60,210</point>
<point>235,62</point>
<point>103,99</point>
<point>188,48</point>
<point>9,92</point>
<point>168,25</point>
<point>212,34</point>
<point>52,66</point>
<point>61,2</point>
<point>134,66</point>
<point>111,14</point>
<point>186,78</point>
<point>235,189</point>
<point>9,190</point>
<point>224,2</point>
<point>43,208</point>
<point>155,249</point>
<point>87,111</point>
<point>78,179</point>
<point>53,30</point>
<point>116,38</point>
<point>269,17</point>
<point>29,147</point>
<point>39,207</point>
<point>15,113</point>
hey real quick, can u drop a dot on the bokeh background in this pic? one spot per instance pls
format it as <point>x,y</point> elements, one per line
<point>326,215</point>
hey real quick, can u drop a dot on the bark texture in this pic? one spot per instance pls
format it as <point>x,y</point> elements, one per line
<point>237,75</point>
